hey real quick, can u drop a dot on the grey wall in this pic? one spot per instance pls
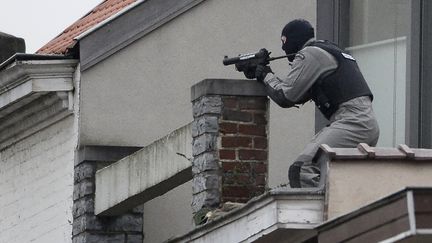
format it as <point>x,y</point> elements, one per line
<point>142,92</point>
<point>168,215</point>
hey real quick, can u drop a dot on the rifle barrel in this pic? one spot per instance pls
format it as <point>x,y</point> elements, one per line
<point>280,57</point>
<point>233,60</point>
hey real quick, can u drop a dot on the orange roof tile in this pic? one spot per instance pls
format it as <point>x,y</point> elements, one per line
<point>65,40</point>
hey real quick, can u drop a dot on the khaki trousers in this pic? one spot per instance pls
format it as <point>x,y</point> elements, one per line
<point>353,123</point>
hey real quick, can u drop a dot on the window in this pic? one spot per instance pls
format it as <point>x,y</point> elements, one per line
<point>389,39</point>
<point>378,36</point>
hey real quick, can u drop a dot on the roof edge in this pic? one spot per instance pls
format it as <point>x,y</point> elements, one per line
<point>136,22</point>
<point>109,19</point>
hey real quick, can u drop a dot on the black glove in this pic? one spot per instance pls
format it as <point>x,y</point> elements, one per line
<point>249,72</point>
<point>265,53</point>
<point>261,72</point>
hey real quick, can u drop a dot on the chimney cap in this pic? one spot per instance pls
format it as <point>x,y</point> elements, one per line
<point>10,45</point>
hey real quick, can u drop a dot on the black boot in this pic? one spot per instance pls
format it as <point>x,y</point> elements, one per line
<point>294,174</point>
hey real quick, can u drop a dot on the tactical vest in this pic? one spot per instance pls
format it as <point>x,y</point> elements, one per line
<point>343,84</point>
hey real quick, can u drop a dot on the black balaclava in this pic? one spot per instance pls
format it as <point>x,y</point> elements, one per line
<point>297,33</point>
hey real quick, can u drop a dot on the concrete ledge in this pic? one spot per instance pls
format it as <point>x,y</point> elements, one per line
<point>34,93</point>
<point>237,87</point>
<point>280,215</point>
<point>103,153</point>
<point>24,78</point>
<point>144,175</point>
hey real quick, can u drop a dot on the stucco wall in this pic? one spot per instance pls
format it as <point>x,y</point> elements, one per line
<point>36,184</point>
<point>142,92</point>
<point>169,215</point>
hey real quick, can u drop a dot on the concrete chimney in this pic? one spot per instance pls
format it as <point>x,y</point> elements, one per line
<point>9,45</point>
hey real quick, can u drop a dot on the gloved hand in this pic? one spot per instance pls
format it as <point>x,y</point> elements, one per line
<point>249,72</point>
<point>261,72</point>
<point>265,53</point>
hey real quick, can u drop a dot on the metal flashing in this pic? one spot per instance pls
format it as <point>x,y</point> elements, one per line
<point>109,19</point>
<point>411,211</point>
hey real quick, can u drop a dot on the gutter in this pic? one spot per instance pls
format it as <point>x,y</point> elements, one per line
<point>31,57</point>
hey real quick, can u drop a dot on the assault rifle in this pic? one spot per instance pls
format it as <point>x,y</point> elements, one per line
<point>247,62</point>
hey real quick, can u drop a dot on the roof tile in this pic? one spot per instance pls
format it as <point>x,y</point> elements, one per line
<point>65,40</point>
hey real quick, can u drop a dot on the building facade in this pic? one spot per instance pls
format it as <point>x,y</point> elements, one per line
<point>125,83</point>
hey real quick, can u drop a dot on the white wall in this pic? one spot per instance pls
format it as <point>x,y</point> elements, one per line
<point>142,92</point>
<point>36,185</point>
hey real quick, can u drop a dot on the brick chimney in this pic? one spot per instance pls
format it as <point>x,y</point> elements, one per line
<point>9,45</point>
<point>230,145</point>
